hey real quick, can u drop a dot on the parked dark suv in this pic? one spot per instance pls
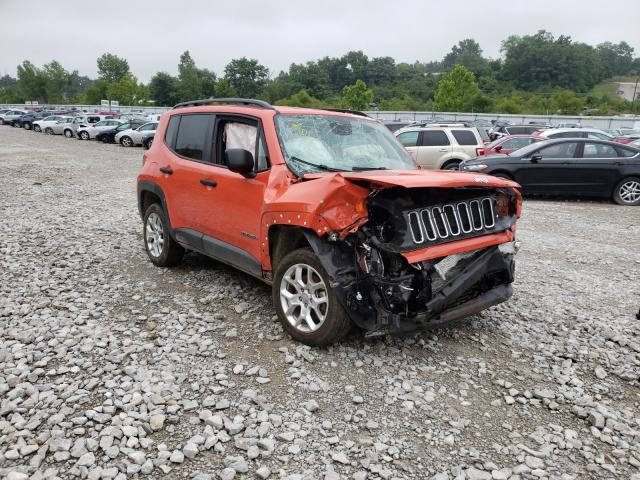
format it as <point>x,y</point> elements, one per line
<point>330,210</point>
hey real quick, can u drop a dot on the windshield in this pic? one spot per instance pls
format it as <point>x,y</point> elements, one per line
<point>317,143</point>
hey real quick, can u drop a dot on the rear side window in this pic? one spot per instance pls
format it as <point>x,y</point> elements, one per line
<point>172,130</point>
<point>464,137</point>
<point>434,138</point>
<point>599,150</point>
<point>566,135</point>
<point>193,133</point>
<point>409,139</point>
<point>626,152</point>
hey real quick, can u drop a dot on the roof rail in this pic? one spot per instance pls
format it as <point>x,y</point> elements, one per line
<point>225,101</point>
<point>344,110</point>
<point>441,124</point>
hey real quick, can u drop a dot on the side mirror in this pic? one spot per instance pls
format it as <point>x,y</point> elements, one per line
<point>536,157</point>
<point>240,161</point>
<point>498,148</point>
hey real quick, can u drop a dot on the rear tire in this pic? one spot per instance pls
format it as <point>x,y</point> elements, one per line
<point>148,142</point>
<point>105,139</point>
<point>27,126</point>
<point>627,192</point>
<point>83,135</point>
<point>68,133</point>
<point>162,250</point>
<point>48,131</point>
<point>313,315</point>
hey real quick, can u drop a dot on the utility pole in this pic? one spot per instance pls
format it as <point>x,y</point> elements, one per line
<point>635,89</point>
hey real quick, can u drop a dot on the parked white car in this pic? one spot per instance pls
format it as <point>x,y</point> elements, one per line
<point>90,131</point>
<point>593,133</point>
<point>135,136</point>
<point>9,116</point>
<point>46,124</point>
<point>441,145</point>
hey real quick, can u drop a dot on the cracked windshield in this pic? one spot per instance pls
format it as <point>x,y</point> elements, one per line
<point>326,143</point>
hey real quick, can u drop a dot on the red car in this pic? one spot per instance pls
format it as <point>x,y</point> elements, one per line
<point>625,139</point>
<point>331,210</point>
<point>508,144</point>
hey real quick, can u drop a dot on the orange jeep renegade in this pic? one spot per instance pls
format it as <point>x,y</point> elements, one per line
<point>328,208</point>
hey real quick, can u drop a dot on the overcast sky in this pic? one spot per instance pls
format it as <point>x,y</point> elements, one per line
<point>151,34</point>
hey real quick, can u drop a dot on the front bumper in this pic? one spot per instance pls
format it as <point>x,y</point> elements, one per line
<point>483,282</point>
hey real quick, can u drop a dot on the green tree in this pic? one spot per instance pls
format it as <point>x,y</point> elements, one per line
<point>31,82</point>
<point>163,89</point>
<point>540,60</point>
<point>128,91</point>
<point>96,91</point>
<point>615,59</point>
<point>357,96</point>
<point>222,89</point>
<point>468,54</point>
<point>457,91</point>
<point>565,102</point>
<point>112,68</point>
<point>246,76</point>
<point>301,99</point>
<point>512,104</point>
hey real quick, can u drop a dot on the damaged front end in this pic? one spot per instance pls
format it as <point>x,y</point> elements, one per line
<point>425,256</point>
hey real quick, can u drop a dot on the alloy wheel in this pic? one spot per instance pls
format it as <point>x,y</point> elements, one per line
<point>84,135</point>
<point>629,191</point>
<point>304,298</point>
<point>154,235</point>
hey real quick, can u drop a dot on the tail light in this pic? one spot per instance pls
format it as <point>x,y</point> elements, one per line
<point>479,152</point>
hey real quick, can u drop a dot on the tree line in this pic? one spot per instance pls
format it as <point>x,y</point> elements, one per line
<point>538,74</point>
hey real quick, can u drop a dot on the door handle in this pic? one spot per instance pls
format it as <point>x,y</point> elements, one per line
<point>444,149</point>
<point>208,183</point>
<point>166,170</point>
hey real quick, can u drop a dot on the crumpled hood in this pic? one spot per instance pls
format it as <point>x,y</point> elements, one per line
<point>421,178</point>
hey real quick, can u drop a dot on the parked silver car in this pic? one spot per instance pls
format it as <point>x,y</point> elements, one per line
<point>70,126</point>
<point>9,116</point>
<point>134,136</point>
<point>90,131</point>
<point>46,124</point>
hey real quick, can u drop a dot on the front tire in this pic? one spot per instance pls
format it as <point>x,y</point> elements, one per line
<point>68,133</point>
<point>27,126</point>
<point>627,192</point>
<point>148,142</point>
<point>36,128</point>
<point>126,142</point>
<point>305,302</point>
<point>48,131</point>
<point>105,139</point>
<point>163,251</point>
<point>452,165</point>
<point>83,135</point>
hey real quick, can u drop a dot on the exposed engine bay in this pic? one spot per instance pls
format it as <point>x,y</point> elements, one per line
<point>383,291</point>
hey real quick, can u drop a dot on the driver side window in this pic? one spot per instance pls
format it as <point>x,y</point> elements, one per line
<point>242,134</point>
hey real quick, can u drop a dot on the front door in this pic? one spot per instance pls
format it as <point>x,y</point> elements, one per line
<point>548,170</point>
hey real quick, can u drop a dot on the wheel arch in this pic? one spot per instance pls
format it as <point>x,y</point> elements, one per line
<point>149,193</point>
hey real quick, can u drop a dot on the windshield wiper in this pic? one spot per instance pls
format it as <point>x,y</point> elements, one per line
<point>361,169</point>
<point>317,165</point>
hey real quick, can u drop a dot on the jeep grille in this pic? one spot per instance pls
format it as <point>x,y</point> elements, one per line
<point>453,221</point>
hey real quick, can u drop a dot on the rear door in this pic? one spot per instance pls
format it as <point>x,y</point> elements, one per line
<point>553,173</point>
<point>434,148</point>
<point>594,170</point>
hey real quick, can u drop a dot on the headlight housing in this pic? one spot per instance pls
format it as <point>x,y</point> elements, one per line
<point>476,168</point>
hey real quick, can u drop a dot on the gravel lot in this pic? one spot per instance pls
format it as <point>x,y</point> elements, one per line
<point>112,368</point>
